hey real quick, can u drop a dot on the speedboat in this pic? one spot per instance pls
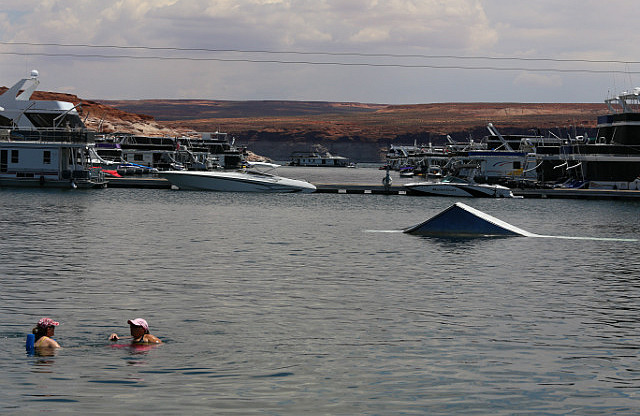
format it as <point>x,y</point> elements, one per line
<point>406,172</point>
<point>454,186</point>
<point>245,180</point>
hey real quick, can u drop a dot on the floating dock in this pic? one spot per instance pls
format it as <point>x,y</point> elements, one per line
<point>333,188</point>
<point>369,189</point>
<point>568,193</point>
<point>525,193</point>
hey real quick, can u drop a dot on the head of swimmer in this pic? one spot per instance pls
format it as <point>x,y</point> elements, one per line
<point>137,331</point>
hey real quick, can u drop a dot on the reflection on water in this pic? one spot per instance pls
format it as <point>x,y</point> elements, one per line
<point>285,304</point>
<point>40,365</point>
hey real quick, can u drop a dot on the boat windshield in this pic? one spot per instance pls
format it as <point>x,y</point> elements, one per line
<point>261,168</point>
<point>453,179</point>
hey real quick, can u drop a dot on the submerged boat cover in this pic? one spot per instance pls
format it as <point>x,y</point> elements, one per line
<point>460,220</point>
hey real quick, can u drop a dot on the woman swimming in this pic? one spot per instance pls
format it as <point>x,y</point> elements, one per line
<point>44,332</point>
<point>139,331</point>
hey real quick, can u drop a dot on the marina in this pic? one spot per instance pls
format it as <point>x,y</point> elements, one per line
<point>298,208</point>
<point>45,143</point>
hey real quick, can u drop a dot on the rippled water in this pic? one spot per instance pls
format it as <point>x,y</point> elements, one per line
<point>311,304</point>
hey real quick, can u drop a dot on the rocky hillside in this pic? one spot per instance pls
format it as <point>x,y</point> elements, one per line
<point>108,119</point>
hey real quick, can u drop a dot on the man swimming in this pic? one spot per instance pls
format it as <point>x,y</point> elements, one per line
<point>140,333</point>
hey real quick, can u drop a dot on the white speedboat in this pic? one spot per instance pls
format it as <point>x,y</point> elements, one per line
<point>453,186</point>
<point>246,180</point>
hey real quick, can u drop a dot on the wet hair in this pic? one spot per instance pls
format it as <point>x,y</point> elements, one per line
<point>40,332</point>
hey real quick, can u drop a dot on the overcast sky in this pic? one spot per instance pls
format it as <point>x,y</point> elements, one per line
<point>376,51</point>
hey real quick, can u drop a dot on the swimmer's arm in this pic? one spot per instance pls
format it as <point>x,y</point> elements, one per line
<point>152,339</point>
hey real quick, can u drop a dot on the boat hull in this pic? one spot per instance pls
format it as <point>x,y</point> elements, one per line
<point>459,190</point>
<point>460,220</point>
<point>235,182</point>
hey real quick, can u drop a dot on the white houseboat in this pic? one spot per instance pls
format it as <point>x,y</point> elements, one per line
<point>317,159</point>
<point>44,143</point>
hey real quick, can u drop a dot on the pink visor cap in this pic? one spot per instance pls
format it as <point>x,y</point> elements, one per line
<point>139,322</point>
<point>47,322</point>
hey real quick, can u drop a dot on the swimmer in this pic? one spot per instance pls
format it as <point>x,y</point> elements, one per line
<point>44,332</point>
<point>139,332</point>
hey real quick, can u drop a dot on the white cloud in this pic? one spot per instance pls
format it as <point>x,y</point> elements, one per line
<point>537,80</point>
<point>372,34</point>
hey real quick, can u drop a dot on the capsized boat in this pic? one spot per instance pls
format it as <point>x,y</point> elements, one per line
<point>458,187</point>
<point>460,220</point>
<point>244,180</point>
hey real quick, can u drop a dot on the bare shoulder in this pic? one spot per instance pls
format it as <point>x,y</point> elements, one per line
<point>152,339</point>
<point>46,342</point>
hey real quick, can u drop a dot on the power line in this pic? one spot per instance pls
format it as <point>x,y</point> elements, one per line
<point>326,63</point>
<point>321,53</point>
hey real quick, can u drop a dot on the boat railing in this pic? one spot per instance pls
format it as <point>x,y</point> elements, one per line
<point>53,135</point>
<point>89,174</point>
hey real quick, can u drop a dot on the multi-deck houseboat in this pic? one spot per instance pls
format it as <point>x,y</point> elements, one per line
<point>44,143</point>
<point>609,160</point>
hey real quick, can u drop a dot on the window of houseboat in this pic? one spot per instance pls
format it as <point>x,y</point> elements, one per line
<point>53,120</point>
<point>15,156</point>
<point>5,122</point>
<point>46,157</point>
<point>3,160</point>
<point>516,165</point>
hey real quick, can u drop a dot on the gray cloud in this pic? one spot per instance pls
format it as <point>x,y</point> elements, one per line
<point>570,29</point>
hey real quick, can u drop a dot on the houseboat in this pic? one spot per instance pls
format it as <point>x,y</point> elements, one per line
<point>317,159</point>
<point>206,151</point>
<point>611,160</point>
<point>44,143</point>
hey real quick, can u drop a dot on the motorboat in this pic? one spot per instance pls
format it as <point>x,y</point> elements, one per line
<point>255,178</point>
<point>406,172</point>
<point>454,186</point>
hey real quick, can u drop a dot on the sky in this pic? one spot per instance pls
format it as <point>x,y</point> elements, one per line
<point>369,51</point>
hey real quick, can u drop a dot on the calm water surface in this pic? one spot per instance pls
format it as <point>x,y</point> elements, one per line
<point>312,304</point>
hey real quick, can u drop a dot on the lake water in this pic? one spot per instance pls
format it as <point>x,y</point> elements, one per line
<point>316,304</point>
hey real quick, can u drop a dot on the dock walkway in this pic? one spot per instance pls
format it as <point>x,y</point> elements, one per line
<point>370,189</point>
<point>526,193</point>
